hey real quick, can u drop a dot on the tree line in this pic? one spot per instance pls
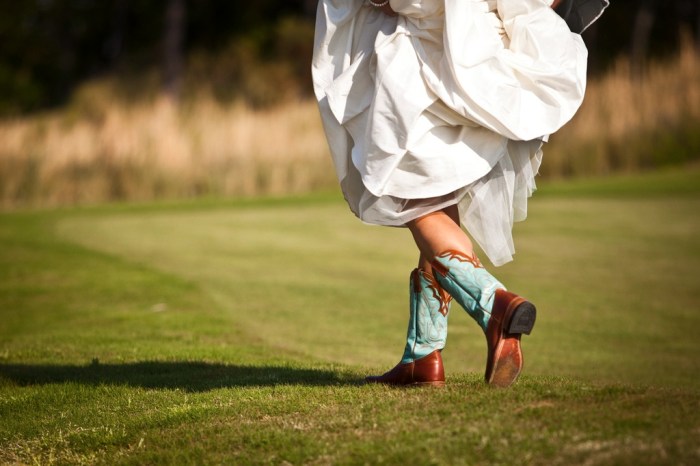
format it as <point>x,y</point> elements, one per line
<point>257,51</point>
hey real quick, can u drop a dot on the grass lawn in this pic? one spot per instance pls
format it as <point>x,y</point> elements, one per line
<point>238,332</point>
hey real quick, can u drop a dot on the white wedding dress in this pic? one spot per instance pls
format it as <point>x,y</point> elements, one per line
<point>447,103</point>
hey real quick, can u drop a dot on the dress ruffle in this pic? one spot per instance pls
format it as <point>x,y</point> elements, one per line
<point>447,103</point>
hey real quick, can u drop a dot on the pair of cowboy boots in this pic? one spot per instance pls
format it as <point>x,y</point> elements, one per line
<point>503,316</point>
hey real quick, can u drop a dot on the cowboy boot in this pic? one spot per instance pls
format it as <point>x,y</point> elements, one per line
<point>421,363</point>
<point>503,316</point>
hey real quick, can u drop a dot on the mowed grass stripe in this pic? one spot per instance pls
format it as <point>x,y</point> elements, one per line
<point>240,334</point>
<point>614,280</point>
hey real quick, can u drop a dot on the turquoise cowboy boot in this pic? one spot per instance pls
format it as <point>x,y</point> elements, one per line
<point>427,324</point>
<point>503,316</point>
<point>421,363</point>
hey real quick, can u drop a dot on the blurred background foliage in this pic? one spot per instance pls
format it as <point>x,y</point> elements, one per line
<point>235,49</point>
<point>134,99</point>
<point>256,51</point>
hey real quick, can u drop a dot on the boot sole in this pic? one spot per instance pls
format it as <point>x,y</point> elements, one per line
<point>435,383</point>
<point>508,362</point>
<point>508,357</point>
<point>427,384</point>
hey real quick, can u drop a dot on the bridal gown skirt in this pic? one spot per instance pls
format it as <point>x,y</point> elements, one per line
<point>447,103</point>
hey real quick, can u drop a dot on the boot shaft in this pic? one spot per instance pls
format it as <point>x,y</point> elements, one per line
<point>429,309</point>
<point>469,283</point>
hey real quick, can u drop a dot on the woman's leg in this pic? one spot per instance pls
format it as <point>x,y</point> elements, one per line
<point>503,316</point>
<point>438,232</point>
<point>443,244</point>
<point>429,305</point>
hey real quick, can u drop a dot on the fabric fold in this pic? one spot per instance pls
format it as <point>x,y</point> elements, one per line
<point>447,103</point>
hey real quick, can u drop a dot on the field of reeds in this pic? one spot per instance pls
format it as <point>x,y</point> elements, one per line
<point>628,123</point>
<point>101,148</point>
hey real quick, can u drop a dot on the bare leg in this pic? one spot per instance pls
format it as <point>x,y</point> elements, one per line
<point>447,265</point>
<point>448,254</point>
<point>438,232</point>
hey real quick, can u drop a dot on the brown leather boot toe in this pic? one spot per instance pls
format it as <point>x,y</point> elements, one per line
<point>427,370</point>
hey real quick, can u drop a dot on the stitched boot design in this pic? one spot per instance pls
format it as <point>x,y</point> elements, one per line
<point>429,309</point>
<point>468,282</point>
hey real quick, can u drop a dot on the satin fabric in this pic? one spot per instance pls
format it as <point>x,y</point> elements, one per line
<point>447,103</point>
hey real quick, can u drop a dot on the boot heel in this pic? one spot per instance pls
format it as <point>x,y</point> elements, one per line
<point>523,319</point>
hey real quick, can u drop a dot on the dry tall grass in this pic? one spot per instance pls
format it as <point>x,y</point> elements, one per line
<point>99,149</point>
<point>630,124</point>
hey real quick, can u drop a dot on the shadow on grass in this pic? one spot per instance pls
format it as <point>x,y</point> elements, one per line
<point>188,376</point>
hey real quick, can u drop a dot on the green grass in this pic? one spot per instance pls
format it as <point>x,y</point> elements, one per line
<point>239,332</point>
